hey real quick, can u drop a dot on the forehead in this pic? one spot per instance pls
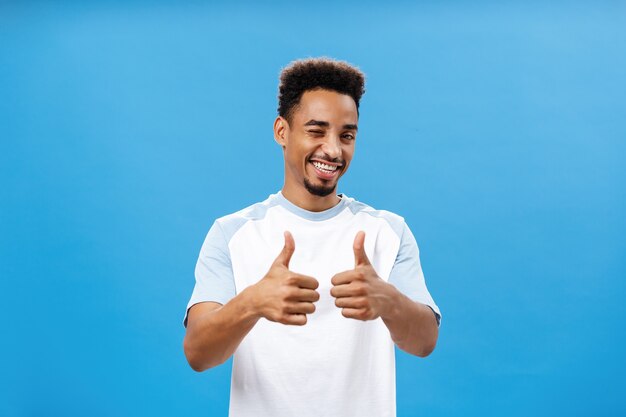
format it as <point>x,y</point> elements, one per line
<point>326,105</point>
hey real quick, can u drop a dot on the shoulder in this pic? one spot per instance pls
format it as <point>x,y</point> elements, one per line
<point>395,221</point>
<point>231,223</point>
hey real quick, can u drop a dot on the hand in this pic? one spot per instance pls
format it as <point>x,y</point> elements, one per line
<point>360,292</point>
<point>284,296</point>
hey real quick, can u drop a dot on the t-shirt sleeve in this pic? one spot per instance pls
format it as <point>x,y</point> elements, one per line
<point>407,276</point>
<point>214,272</point>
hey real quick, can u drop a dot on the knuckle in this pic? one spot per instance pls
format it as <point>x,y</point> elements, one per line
<point>283,293</point>
<point>285,318</point>
<point>290,293</point>
<point>359,289</point>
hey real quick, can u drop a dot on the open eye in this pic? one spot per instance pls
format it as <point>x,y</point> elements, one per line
<point>348,136</point>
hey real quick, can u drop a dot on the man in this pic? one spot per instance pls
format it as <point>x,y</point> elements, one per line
<point>310,289</point>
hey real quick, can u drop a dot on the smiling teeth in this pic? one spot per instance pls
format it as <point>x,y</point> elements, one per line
<point>324,167</point>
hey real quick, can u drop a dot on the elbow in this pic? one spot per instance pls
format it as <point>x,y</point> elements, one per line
<point>427,349</point>
<point>192,360</point>
<point>430,343</point>
<point>426,344</point>
<point>421,349</point>
<point>195,366</point>
<point>195,360</point>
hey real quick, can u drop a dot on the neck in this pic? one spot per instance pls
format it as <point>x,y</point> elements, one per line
<point>302,198</point>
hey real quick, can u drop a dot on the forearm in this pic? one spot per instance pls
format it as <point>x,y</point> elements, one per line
<point>412,325</point>
<point>215,335</point>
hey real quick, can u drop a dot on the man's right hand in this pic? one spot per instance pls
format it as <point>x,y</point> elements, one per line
<point>284,296</point>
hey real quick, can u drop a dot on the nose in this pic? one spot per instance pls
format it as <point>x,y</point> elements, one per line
<point>332,146</point>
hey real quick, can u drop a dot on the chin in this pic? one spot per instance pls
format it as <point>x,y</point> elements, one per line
<point>319,190</point>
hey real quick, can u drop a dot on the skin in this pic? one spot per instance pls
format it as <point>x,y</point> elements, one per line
<point>363,295</point>
<point>322,128</point>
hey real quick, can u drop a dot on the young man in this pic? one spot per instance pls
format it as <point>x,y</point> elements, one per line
<point>310,289</point>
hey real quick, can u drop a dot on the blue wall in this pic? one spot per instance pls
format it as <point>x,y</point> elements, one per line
<point>496,129</point>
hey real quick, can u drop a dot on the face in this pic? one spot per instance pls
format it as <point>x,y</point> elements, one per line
<point>319,142</point>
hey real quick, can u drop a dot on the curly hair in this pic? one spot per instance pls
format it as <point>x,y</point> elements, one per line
<point>313,73</point>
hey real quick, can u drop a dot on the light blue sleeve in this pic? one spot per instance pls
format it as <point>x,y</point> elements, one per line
<point>214,271</point>
<point>406,274</point>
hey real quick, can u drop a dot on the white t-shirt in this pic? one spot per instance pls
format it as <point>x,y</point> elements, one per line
<point>332,366</point>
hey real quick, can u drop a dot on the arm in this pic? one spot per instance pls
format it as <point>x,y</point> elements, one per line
<point>363,295</point>
<point>214,331</point>
<point>412,325</point>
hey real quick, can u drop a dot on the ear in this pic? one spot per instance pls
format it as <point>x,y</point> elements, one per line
<point>281,131</point>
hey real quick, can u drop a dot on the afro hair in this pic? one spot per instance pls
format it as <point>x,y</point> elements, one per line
<point>317,73</point>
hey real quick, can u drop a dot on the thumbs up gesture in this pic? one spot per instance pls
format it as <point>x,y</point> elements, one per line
<point>360,292</point>
<point>284,296</point>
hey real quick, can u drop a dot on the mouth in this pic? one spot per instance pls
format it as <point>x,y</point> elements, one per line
<point>326,170</point>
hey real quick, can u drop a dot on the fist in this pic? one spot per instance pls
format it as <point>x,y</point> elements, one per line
<point>360,292</point>
<point>282,295</point>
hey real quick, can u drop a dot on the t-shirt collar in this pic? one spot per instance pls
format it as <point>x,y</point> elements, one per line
<point>312,215</point>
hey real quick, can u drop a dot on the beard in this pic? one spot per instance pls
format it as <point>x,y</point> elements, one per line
<point>319,190</point>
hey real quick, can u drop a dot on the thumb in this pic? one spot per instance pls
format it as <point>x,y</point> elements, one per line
<point>360,257</point>
<point>285,255</point>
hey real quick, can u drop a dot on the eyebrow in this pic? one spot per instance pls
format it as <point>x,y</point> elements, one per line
<point>321,123</point>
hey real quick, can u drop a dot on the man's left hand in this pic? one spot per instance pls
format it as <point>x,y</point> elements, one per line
<point>360,292</point>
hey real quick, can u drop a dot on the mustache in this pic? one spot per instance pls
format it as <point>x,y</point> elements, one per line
<point>327,159</point>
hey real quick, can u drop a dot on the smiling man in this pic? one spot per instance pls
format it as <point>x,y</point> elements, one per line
<point>309,290</point>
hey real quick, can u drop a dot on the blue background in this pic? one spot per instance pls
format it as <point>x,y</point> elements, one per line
<point>496,129</point>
